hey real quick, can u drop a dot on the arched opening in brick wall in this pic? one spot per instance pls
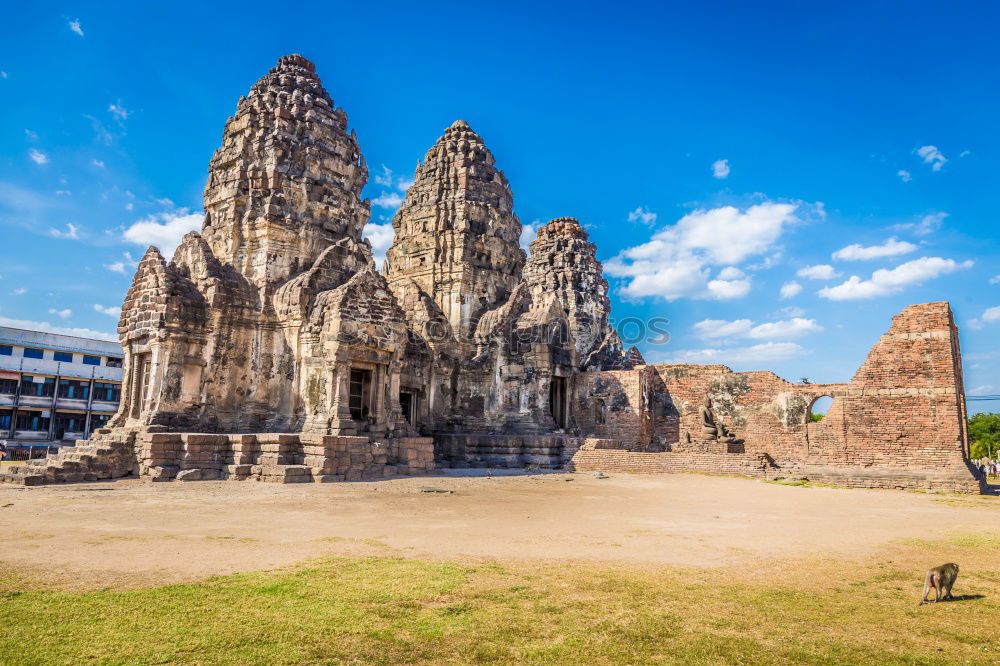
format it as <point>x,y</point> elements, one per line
<point>818,408</point>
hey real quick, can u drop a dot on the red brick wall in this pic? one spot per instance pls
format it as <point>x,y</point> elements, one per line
<point>899,423</point>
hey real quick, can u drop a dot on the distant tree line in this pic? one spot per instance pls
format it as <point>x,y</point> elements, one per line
<point>984,436</point>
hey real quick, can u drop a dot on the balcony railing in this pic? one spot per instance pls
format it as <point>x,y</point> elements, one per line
<point>30,366</point>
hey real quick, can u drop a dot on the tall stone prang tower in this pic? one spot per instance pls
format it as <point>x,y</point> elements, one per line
<point>563,262</point>
<point>286,182</point>
<point>456,234</point>
<point>260,322</point>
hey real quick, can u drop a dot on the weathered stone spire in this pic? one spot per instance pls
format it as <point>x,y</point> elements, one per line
<point>563,263</point>
<point>633,357</point>
<point>286,183</point>
<point>456,234</point>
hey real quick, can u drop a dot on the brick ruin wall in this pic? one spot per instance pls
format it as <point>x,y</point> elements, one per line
<point>899,423</point>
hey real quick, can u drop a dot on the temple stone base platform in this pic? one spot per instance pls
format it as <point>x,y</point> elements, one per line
<point>268,457</point>
<point>497,450</point>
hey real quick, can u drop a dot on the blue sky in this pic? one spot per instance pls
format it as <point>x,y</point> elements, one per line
<point>776,182</point>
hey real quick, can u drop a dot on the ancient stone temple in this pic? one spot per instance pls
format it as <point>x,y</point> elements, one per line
<point>270,347</point>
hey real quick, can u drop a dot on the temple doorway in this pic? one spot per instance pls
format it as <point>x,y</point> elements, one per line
<point>359,394</point>
<point>557,401</point>
<point>408,405</point>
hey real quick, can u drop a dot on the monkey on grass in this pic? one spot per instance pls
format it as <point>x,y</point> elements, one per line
<point>941,579</point>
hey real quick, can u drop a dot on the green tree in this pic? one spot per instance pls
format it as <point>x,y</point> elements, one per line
<point>984,436</point>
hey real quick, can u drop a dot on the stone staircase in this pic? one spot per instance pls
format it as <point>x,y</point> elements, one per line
<point>104,456</point>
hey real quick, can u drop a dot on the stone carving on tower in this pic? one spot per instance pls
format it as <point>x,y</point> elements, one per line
<point>456,233</point>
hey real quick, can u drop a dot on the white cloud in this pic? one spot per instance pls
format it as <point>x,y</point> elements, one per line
<point>49,328</point>
<point>109,310</point>
<point>767,352</point>
<point>791,289</point>
<point>793,311</point>
<point>676,261</point>
<point>731,273</point>
<point>720,328</point>
<point>720,169</point>
<point>75,27</point>
<point>62,314</point>
<point>528,233</point>
<point>989,316</point>
<point>890,281</point>
<point>404,184</point>
<point>930,223</point>
<point>858,252</point>
<point>122,265</point>
<point>932,156</point>
<point>985,389</point>
<point>995,280</point>
<point>118,111</point>
<point>744,328</point>
<point>164,230</point>
<point>384,178</point>
<point>965,153</point>
<point>32,136</point>
<point>380,236</point>
<point>904,175</point>
<point>640,214</point>
<point>98,163</point>
<point>770,261</point>
<point>724,290</point>
<point>389,200</point>
<point>784,329</point>
<point>3,75</point>
<point>38,157</point>
<point>20,291</point>
<point>130,206</point>
<point>72,232</point>
<point>63,193</point>
<point>818,272</point>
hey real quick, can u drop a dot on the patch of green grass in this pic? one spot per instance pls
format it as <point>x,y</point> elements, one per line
<point>982,541</point>
<point>374,542</point>
<point>387,610</point>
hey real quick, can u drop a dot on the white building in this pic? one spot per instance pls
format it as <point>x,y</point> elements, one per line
<point>56,388</point>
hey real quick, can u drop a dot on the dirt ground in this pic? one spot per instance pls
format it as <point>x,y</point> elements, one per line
<point>133,532</point>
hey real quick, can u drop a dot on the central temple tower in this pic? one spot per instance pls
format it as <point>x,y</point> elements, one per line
<point>456,235</point>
